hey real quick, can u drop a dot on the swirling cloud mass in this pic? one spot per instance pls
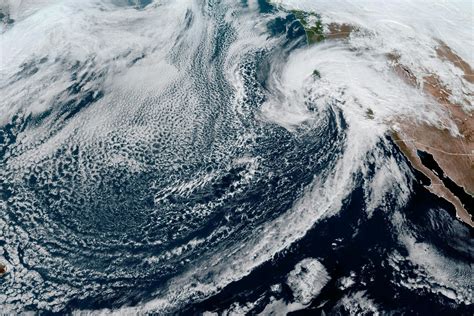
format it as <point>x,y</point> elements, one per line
<point>236,157</point>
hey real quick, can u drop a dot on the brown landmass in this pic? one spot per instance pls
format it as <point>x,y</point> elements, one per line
<point>409,148</point>
<point>339,31</point>
<point>408,140</point>
<point>444,52</point>
<point>453,153</point>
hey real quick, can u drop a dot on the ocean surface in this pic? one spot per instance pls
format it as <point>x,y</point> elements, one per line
<point>182,157</point>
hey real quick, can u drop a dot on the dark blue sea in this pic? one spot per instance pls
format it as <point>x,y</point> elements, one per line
<point>152,162</point>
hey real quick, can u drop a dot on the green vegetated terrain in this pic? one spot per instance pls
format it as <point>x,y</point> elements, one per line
<point>312,25</point>
<point>316,74</point>
<point>370,114</point>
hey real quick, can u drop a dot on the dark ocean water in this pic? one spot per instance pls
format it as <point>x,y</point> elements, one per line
<point>193,173</point>
<point>351,243</point>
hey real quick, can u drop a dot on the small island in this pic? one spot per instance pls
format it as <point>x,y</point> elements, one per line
<point>3,269</point>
